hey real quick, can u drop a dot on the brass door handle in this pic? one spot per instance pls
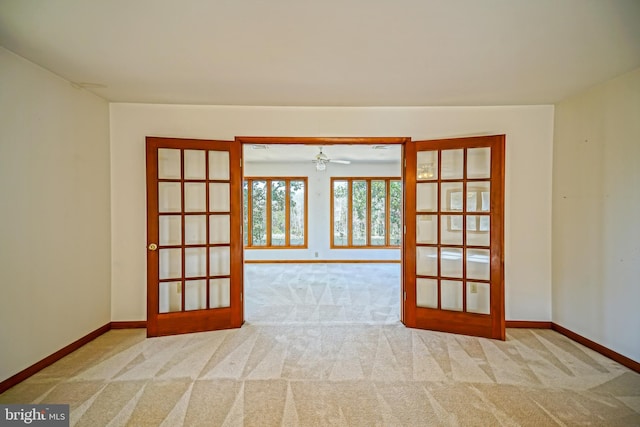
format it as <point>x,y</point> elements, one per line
<point>153,247</point>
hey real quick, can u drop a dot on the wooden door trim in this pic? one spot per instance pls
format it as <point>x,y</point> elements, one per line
<point>322,140</point>
<point>237,248</point>
<point>152,230</point>
<point>408,317</point>
<point>497,239</point>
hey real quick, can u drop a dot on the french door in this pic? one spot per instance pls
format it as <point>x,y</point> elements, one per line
<point>453,252</point>
<point>194,236</point>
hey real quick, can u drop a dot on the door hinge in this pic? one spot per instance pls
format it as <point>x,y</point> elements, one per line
<point>405,229</point>
<point>405,163</point>
<point>405,295</point>
<point>241,163</point>
<point>240,296</point>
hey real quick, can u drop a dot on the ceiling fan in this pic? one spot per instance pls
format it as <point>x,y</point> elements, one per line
<point>321,161</point>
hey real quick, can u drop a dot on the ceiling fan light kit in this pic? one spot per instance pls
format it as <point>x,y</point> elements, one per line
<point>321,161</point>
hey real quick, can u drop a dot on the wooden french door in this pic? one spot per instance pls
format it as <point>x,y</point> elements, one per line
<point>453,253</point>
<point>194,236</point>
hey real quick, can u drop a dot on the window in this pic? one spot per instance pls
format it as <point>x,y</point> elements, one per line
<point>366,212</point>
<point>275,212</point>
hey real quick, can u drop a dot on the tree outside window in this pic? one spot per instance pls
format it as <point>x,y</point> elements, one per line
<point>366,212</point>
<point>275,212</point>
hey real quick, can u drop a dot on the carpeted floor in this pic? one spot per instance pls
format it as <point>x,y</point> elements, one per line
<point>297,294</point>
<point>314,362</point>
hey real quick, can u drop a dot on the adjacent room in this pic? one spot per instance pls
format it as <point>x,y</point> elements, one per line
<point>321,213</point>
<point>334,255</point>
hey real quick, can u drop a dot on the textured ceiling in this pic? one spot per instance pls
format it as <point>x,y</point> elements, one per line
<point>330,52</point>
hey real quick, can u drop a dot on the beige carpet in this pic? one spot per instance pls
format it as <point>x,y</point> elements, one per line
<point>327,371</point>
<point>322,294</point>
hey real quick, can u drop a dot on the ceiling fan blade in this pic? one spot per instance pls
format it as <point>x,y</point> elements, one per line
<point>344,162</point>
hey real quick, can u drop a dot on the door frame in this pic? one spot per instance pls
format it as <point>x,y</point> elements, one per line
<point>325,141</point>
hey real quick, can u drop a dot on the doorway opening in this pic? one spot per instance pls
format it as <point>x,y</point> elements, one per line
<point>322,228</point>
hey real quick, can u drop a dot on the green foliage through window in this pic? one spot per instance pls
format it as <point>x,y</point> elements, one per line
<point>367,212</point>
<point>274,212</point>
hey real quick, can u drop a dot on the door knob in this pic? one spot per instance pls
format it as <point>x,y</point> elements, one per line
<point>153,247</point>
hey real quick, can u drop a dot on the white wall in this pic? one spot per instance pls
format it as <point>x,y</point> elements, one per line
<point>55,229</point>
<point>319,193</point>
<point>596,215</point>
<point>529,133</point>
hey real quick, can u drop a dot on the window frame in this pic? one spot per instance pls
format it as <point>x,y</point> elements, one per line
<point>349,233</point>
<point>269,180</point>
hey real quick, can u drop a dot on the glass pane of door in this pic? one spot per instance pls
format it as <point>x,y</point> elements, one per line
<point>219,165</point>
<point>170,230</point>
<point>170,297</point>
<point>452,164</point>
<point>427,165</point>
<point>427,229</point>
<point>194,197</point>
<point>195,229</point>
<point>451,295</point>
<point>219,293</point>
<point>195,296</point>
<point>219,229</point>
<point>194,164</point>
<point>479,162</point>
<point>169,197</point>
<point>168,163</point>
<point>427,293</point>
